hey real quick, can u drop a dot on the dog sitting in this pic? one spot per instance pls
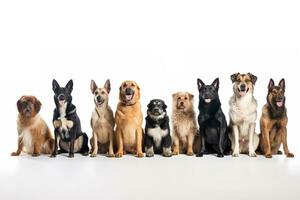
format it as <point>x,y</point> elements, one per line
<point>67,127</point>
<point>243,113</point>
<point>184,123</point>
<point>273,122</point>
<point>34,136</point>
<point>157,131</point>
<point>129,119</point>
<point>212,121</point>
<point>102,121</point>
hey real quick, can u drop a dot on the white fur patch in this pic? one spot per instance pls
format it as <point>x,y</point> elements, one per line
<point>157,134</point>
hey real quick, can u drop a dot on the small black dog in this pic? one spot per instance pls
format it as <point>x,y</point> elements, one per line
<point>212,121</point>
<point>157,131</point>
<point>67,123</point>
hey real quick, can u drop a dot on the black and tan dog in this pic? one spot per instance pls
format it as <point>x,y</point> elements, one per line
<point>67,123</point>
<point>273,122</point>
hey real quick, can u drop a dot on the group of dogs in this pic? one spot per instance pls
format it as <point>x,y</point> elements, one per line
<point>123,133</point>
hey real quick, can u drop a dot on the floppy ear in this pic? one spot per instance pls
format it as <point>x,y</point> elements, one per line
<point>271,84</point>
<point>233,77</point>
<point>55,85</point>
<point>19,105</point>
<point>174,95</point>
<point>164,106</point>
<point>191,96</point>
<point>282,84</point>
<point>253,78</point>
<point>107,85</point>
<point>216,83</point>
<point>93,86</point>
<point>37,105</point>
<point>148,106</point>
<point>200,83</point>
<point>69,85</point>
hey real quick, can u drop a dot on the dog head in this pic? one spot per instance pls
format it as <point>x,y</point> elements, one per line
<point>28,106</point>
<point>100,94</point>
<point>62,95</point>
<point>243,83</point>
<point>208,93</point>
<point>129,92</point>
<point>157,109</point>
<point>183,101</point>
<point>276,97</point>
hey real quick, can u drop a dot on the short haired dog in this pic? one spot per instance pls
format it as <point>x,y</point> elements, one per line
<point>34,136</point>
<point>212,121</point>
<point>67,127</point>
<point>273,121</point>
<point>157,130</point>
<point>243,114</point>
<point>102,121</point>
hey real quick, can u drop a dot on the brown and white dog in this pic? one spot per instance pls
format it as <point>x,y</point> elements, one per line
<point>102,121</point>
<point>129,119</point>
<point>243,114</point>
<point>184,123</point>
<point>273,121</point>
<point>34,136</point>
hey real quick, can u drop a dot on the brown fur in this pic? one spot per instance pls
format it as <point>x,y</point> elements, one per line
<point>184,123</point>
<point>129,118</point>
<point>34,136</point>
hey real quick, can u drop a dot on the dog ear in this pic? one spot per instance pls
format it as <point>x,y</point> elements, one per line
<point>191,96</point>
<point>164,106</point>
<point>107,85</point>
<point>200,83</point>
<point>55,85</point>
<point>253,78</point>
<point>271,84</point>
<point>19,104</point>
<point>216,83</point>
<point>93,86</point>
<point>174,95</point>
<point>37,105</point>
<point>233,77</point>
<point>69,86</point>
<point>282,84</point>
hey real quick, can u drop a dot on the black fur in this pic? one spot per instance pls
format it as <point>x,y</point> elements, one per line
<point>69,136</point>
<point>274,111</point>
<point>157,107</point>
<point>212,121</point>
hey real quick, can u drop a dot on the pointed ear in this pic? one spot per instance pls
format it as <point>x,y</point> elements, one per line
<point>253,78</point>
<point>216,83</point>
<point>174,95</point>
<point>107,85</point>
<point>69,85</point>
<point>200,83</point>
<point>271,84</point>
<point>37,105</point>
<point>55,85</point>
<point>93,86</point>
<point>233,77</point>
<point>282,84</point>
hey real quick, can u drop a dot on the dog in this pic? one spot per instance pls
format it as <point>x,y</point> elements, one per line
<point>129,119</point>
<point>157,130</point>
<point>34,136</point>
<point>273,122</point>
<point>102,121</point>
<point>184,124</point>
<point>67,127</point>
<point>212,121</point>
<point>242,114</point>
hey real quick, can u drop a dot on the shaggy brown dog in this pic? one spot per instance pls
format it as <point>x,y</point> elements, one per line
<point>273,122</point>
<point>129,119</point>
<point>34,136</point>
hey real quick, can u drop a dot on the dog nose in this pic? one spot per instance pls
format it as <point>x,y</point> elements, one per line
<point>98,98</point>
<point>243,87</point>
<point>280,98</point>
<point>61,97</point>
<point>155,109</point>
<point>128,91</point>
<point>181,103</point>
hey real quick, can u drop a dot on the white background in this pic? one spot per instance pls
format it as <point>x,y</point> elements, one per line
<point>164,46</point>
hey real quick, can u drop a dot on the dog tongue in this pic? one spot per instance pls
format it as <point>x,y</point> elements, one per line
<point>279,103</point>
<point>242,93</point>
<point>128,97</point>
<point>207,100</point>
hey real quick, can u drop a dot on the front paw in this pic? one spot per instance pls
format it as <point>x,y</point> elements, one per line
<point>290,155</point>
<point>53,155</point>
<point>175,152</point>
<point>93,155</point>
<point>140,154</point>
<point>35,154</point>
<point>190,153</point>
<point>220,155</point>
<point>167,154</point>
<point>235,154</point>
<point>199,155</point>
<point>119,154</point>
<point>268,155</point>
<point>71,155</point>
<point>14,154</point>
<point>252,154</point>
<point>110,155</point>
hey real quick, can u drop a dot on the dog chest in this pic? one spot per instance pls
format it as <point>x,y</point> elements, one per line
<point>27,140</point>
<point>77,144</point>
<point>157,134</point>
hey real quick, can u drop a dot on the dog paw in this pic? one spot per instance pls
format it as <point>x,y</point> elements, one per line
<point>175,153</point>
<point>220,155</point>
<point>93,155</point>
<point>279,152</point>
<point>71,155</point>
<point>14,154</point>
<point>119,154</point>
<point>35,154</point>
<point>235,154</point>
<point>167,154</point>
<point>252,154</point>
<point>85,154</point>
<point>140,154</point>
<point>268,155</point>
<point>290,155</point>
<point>190,153</point>
<point>110,155</point>
<point>199,155</point>
<point>149,154</point>
<point>52,155</point>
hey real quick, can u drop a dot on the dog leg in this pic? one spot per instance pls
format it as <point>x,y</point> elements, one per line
<point>20,147</point>
<point>167,143</point>
<point>266,139</point>
<point>71,152</point>
<point>202,149</point>
<point>236,150</point>
<point>283,133</point>
<point>251,140</point>
<point>95,145</point>
<point>111,145</point>
<point>148,146</point>
<point>55,143</point>
<point>175,145</point>
<point>139,140</point>
<point>119,139</point>
<point>190,141</point>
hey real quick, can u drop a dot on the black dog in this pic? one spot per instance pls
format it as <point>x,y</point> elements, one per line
<point>157,131</point>
<point>212,121</point>
<point>67,123</point>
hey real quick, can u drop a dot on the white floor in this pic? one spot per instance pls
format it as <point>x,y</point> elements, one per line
<point>178,177</point>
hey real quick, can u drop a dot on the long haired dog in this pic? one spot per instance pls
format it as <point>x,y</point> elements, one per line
<point>102,121</point>
<point>184,123</point>
<point>129,119</point>
<point>243,113</point>
<point>273,121</point>
<point>67,127</point>
<point>212,121</point>
<point>34,136</point>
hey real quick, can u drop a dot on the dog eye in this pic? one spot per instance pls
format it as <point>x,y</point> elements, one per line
<point>125,85</point>
<point>102,92</point>
<point>179,98</point>
<point>185,98</point>
<point>132,84</point>
<point>96,93</point>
